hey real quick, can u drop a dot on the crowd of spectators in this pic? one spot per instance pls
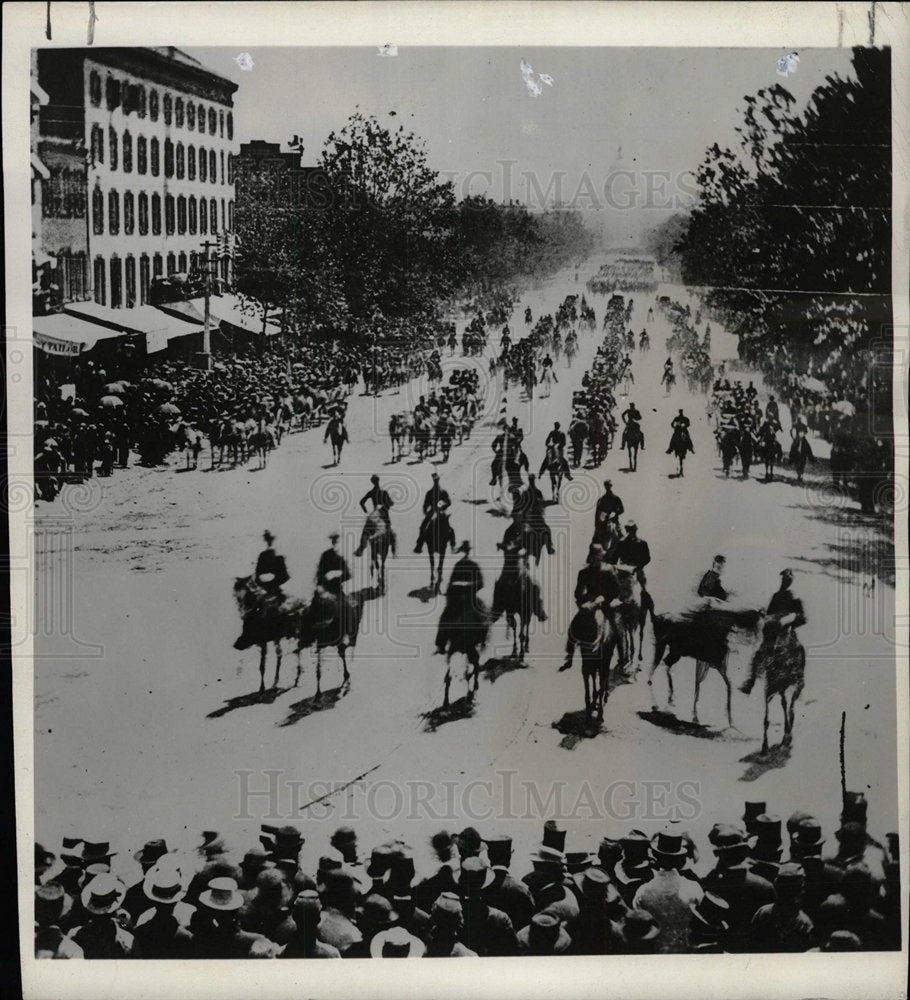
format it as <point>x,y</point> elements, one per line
<point>758,885</point>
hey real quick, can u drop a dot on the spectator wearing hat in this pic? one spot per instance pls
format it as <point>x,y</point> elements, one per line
<point>380,862</point>
<point>339,894</point>
<point>136,900</point>
<point>609,854</point>
<point>822,877</point>
<point>855,810</point>
<point>751,812</point>
<point>506,893</point>
<point>44,863</point>
<point>782,926</point>
<point>469,842</point>
<point>710,923</point>
<point>597,930</point>
<point>102,936</point>
<point>410,916</point>
<point>732,881</point>
<point>218,867</point>
<point>635,866</point>
<point>443,879</point>
<point>51,905</point>
<point>216,926</point>
<point>375,915</point>
<point>344,839</point>
<point>550,891</point>
<point>544,935</point>
<point>266,910</point>
<point>841,941</point>
<point>852,908</point>
<point>255,860</point>
<point>486,930</point>
<point>552,849</point>
<point>854,848</point>
<point>305,942</point>
<point>396,942</point>
<point>401,871</point>
<point>640,932</point>
<point>282,844</point>
<point>765,846</point>
<point>159,931</point>
<point>667,895</point>
<point>446,924</point>
<point>212,845</point>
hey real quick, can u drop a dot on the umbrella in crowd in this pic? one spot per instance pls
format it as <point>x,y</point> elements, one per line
<point>111,402</point>
<point>159,383</point>
<point>77,411</point>
<point>814,385</point>
<point>169,410</point>
<point>115,388</point>
<point>844,406</point>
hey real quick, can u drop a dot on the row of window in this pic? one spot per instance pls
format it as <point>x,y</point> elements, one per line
<point>179,161</point>
<point>134,98</point>
<point>181,214</point>
<point>123,286</point>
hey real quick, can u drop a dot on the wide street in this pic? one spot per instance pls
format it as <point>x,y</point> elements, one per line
<point>145,736</point>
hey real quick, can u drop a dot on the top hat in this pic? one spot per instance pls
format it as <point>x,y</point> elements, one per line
<point>766,830</point>
<point>151,852</point>
<point>790,875</point>
<point>380,860</point>
<point>639,925</point>
<point>268,536</point>
<point>751,811</point>
<point>103,894</point>
<point>396,942</point>
<point>51,903</point>
<point>90,852</point>
<point>855,807</point>
<point>668,845</point>
<point>712,912</point>
<point>164,883</point>
<point>222,894</point>
<point>545,935</point>
<point>465,546</point>
<point>553,836</point>
<point>794,821</point>
<point>635,847</point>
<point>808,834</point>
<point>499,851</point>
<point>475,875</point>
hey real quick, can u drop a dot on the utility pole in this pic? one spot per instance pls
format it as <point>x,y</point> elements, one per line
<point>205,355</point>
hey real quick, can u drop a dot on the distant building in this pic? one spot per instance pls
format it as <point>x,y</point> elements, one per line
<point>264,175</point>
<point>137,147</point>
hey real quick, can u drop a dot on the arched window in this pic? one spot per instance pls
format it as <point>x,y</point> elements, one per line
<point>178,112</point>
<point>171,264</point>
<point>230,168</point>
<point>194,215</point>
<point>144,279</point>
<point>213,214</point>
<point>156,214</point>
<point>113,217</point>
<point>169,220</point>
<point>230,125</point>
<point>230,216</point>
<point>155,159</point>
<point>157,266</point>
<point>222,166</point>
<point>191,162</point>
<point>153,105</point>
<point>140,101</point>
<point>181,263</point>
<point>127,152</point>
<point>168,108</point>
<point>112,93</point>
<point>168,158</point>
<point>142,156</point>
<point>130,281</point>
<point>97,212</point>
<point>181,161</point>
<point>97,144</point>
<point>181,216</point>
<point>116,283</point>
<point>221,123</point>
<point>213,167</point>
<point>129,217</point>
<point>94,88</point>
<point>203,216</point>
<point>100,281</point>
<point>200,114</point>
<point>112,150</point>
<point>190,115</point>
<point>143,213</point>
<point>223,215</point>
<point>203,164</point>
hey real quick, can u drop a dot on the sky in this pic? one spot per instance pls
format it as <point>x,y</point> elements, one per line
<point>481,125</point>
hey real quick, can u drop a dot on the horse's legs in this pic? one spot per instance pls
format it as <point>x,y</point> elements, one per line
<point>701,668</point>
<point>262,652</point>
<point>343,653</point>
<point>794,694</point>
<point>299,663</point>
<point>589,683</point>
<point>514,629</point>
<point>318,670</point>
<point>277,662</point>
<point>659,647</point>
<point>723,673</point>
<point>764,744</point>
<point>474,660</point>
<point>448,680</point>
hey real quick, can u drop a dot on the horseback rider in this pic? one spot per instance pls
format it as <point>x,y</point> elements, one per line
<point>710,586</point>
<point>680,425</point>
<point>530,503</point>
<point>332,572</point>
<point>595,589</point>
<point>421,409</point>
<point>772,412</point>
<point>465,584</point>
<point>556,438</point>
<point>633,551</point>
<point>271,572</point>
<point>382,503</point>
<point>547,365</point>
<point>631,416</point>
<point>668,375</point>
<point>787,614</point>
<point>609,505</point>
<point>435,499</point>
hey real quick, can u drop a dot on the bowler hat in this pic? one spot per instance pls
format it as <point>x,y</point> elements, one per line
<point>469,841</point>
<point>639,925</point>
<point>545,935</point>
<point>151,852</point>
<point>380,860</point>
<point>790,875</point>
<point>378,911</point>
<point>447,909</point>
<point>808,834</point>
<point>51,903</point>
<point>282,842</point>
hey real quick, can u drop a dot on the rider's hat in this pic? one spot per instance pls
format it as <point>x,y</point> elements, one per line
<point>374,478</point>
<point>631,526</point>
<point>435,475</point>
<point>787,573</point>
<point>608,483</point>
<point>465,546</point>
<point>334,536</point>
<point>268,536</point>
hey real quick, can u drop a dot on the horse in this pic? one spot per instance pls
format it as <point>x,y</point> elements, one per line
<point>445,432</point>
<point>398,430</point>
<point>634,438</point>
<point>330,620</point>
<point>336,432</point>
<point>380,539</point>
<point>703,635</point>
<point>578,433</point>
<point>679,446</point>
<point>464,627</point>
<point>635,603</point>
<point>801,453</point>
<point>266,620</point>
<point>594,636</point>
<point>770,451</point>
<point>510,472</point>
<point>570,349</point>
<point>728,442</point>
<point>546,380</point>
<point>556,465</point>
<point>439,535</point>
<point>189,440</point>
<point>228,436</point>
<point>598,438</point>
<point>783,659</point>
<point>517,596</point>
<point>422,435</point>
<point>669,379</point>
<point>644,342</point>
<point>261,442</point>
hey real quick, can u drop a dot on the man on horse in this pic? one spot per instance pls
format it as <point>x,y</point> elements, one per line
<point>772,411</point>
<point>435,499</point>
<point>595,589</point>
<point>786,612</point>
<point>633,551</point>
<point>710,586</point>
<point>680,424</point>
<point>631,416</point>
<point>556,438</point>
<point>271,572</point>
<point>530,503</point>
<point>382,503</point>
<point>332,572</point>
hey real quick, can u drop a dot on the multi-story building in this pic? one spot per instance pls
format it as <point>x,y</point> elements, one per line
<point>138,145</point>
<point>265,175</point>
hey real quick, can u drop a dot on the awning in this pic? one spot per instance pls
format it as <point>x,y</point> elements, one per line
<point>192,310</point>
<point>62,334</point>
<point>158,327</point>
<point>230,309</point>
